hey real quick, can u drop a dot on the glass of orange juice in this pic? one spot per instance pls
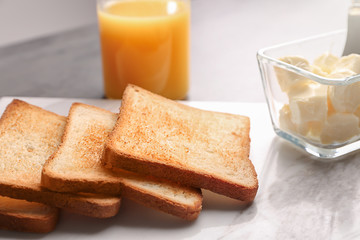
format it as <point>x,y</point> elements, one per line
<point>146,43</point>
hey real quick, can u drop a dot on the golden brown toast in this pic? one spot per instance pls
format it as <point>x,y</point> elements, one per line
<point>29,135</point>
<point>76,166</point>
<point>160,137</point>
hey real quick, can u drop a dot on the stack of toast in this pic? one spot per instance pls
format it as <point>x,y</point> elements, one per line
<point>155,151</point>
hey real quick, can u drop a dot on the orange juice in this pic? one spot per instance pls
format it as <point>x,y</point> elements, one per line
<point>146,43</point>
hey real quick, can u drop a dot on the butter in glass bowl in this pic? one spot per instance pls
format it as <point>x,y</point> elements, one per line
<point>313,94</point>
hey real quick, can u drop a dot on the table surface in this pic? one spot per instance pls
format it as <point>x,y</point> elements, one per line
<point>225,36</point>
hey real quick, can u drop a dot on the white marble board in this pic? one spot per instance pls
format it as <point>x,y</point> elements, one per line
<point>298,198</point>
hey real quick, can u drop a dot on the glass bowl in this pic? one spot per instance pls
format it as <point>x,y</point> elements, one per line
<point>313,110</point>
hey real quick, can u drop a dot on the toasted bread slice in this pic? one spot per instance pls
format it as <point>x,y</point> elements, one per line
<point>24,216</point>
<point>157,136</point>
<point>76,166</point>
<point>28,136</point>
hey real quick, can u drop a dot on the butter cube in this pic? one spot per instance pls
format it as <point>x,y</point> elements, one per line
<point>341,73</point>
<point>288,79</point>
<point>340,127</point>
<point>311,130</point>
<point>350,62</point>
<point>308,103</point>
<point>304,89</point>
<point>285,119</point>
<point>318,71</point>
<point>357,113</point>
<point>326,62</point>
<point>286,123</point>
<point>345,99</point>
<point>314,130</point>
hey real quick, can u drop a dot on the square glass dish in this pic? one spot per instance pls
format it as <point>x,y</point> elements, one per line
<point>313,94</point>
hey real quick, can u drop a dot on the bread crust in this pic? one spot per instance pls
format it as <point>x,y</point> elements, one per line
<point>23,223</point>
<point>58,183</point>
<point>146,198</point>
<point>98,206</point>
<point>116,159</point>
<point>23,219</point>
<point>163,204</point>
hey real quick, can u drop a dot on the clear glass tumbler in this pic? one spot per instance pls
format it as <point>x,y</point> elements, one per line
<point>146,43</point>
